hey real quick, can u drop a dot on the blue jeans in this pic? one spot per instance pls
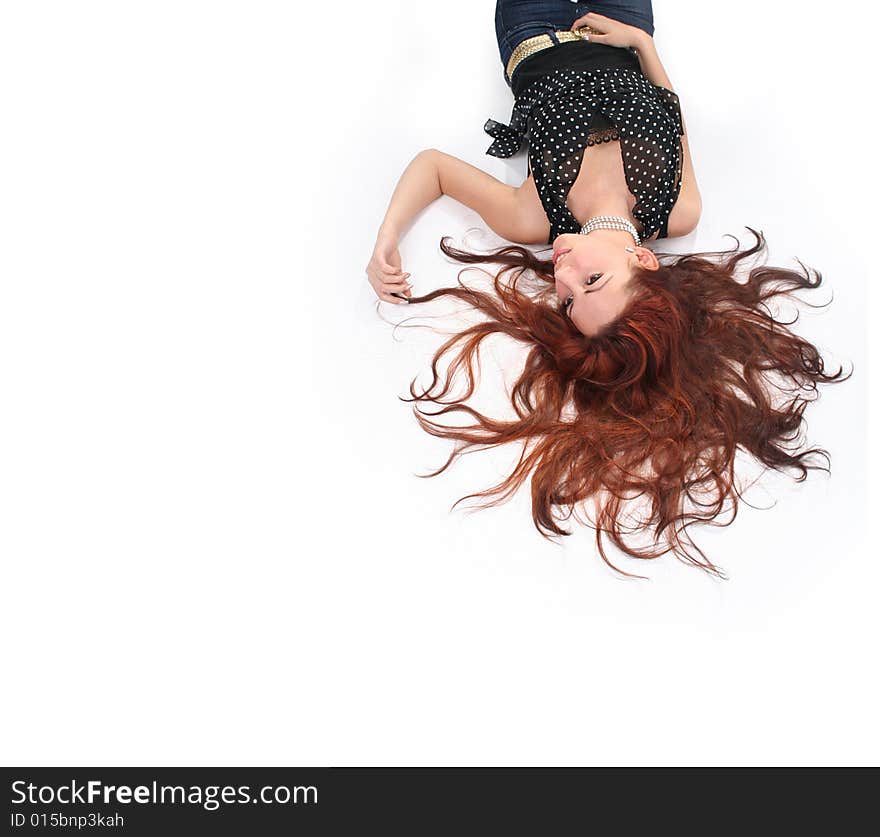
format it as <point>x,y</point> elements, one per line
<point>516,20</point>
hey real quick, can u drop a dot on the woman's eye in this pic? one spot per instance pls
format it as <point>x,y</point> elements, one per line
<point>594,278</point>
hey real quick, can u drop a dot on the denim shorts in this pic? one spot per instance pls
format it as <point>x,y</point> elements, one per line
<point>516,20</point>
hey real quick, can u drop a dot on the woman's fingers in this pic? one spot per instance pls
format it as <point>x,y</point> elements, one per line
<point>387,296</point>
<point>385,290</point>
<point>388,279</point>
<point>593,20</point>
<point>388,272</point>
<point>399,287</point>
<point>393,276</point>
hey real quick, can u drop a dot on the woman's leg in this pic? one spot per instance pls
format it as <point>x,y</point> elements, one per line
<point>516,20</point>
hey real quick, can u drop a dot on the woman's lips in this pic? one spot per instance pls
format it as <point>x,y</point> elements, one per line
<point>559,254</point>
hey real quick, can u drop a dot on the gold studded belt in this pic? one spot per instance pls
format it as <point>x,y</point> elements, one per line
<point>532,45</point>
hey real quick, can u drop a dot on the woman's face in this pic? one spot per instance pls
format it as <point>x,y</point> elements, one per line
<point>594,271</point>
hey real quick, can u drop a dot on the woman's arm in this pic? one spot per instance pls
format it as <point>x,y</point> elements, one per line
<point>687,209</point>
<point>433,173</point>
<point>418,187</point>
<point>429,175</point>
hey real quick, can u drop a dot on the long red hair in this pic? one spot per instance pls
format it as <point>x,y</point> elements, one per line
<point>652,409</point>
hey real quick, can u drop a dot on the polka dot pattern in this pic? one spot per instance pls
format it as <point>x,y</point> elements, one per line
<point>567,110</point>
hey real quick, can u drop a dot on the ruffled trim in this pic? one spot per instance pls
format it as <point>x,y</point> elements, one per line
<point>603,135</point>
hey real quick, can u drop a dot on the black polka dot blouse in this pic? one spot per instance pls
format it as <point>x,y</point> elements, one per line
<point>566,110</point>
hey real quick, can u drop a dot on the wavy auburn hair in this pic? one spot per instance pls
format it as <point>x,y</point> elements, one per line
<point>653,408</point>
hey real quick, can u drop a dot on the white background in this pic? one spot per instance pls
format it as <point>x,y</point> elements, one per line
<point>214,544</point>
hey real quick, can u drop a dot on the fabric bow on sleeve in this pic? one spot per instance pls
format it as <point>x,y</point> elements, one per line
<point>508,138</point>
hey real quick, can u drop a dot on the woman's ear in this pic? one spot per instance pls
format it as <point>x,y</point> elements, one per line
<point>647,259</point>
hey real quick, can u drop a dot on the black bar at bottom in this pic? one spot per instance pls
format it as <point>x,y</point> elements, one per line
<point>461,800</point>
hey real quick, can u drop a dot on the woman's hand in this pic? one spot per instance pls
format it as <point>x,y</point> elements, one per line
<point>609,31</point>
<point>384,270</point>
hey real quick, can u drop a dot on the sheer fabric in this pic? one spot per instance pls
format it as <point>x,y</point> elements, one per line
<point>564,110</point>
